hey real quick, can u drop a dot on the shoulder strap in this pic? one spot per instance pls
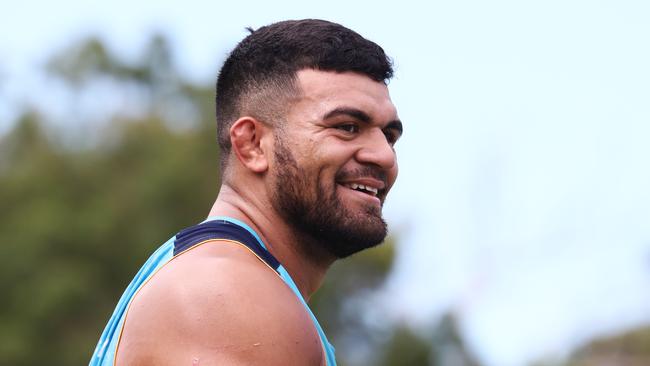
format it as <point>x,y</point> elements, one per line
<point>222,229</point>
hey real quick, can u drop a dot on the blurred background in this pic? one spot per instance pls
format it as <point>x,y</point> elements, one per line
<point>520,223</point>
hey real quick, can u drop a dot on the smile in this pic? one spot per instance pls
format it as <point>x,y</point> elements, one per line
<point>363,188</point>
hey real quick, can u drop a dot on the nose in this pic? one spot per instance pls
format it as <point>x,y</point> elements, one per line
<point>376,150</point>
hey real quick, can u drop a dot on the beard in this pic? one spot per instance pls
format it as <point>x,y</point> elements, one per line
<point>314,209</point>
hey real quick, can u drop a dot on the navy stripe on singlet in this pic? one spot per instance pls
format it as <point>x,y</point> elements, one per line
<point>221,229</point>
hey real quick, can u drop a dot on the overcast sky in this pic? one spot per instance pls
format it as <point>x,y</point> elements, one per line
<point>523,202</point>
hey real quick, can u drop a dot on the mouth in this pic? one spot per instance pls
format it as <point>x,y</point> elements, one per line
<point>368,190</point>
<point>366,184</point>
<point>373,191</point>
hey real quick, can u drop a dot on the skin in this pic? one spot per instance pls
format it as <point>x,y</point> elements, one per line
<point>217,304</point>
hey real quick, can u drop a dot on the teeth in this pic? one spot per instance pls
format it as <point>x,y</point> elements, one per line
<point>356,186</point>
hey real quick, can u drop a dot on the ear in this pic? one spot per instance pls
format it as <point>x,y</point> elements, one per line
<point>246,136</point>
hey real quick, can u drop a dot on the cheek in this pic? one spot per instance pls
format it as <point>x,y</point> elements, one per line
<point>328,159</point>
<point>336,153</point>
<point>392,175</point>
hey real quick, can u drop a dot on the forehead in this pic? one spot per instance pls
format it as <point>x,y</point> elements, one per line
<point>323,91</point>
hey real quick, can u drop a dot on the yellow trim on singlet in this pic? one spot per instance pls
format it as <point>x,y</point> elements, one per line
<point>126,313</point>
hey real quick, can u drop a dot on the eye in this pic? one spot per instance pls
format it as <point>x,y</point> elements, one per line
<point>348,127</point>
<point>391,136</point>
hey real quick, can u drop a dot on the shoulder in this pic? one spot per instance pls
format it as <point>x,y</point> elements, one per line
<point>221,305</point>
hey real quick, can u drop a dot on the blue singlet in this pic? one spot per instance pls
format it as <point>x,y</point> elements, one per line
<point>214,228</point>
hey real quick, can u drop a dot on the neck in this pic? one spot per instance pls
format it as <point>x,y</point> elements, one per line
<point>307,268</point>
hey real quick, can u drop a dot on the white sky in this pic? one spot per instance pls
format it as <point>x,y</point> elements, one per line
<point>523,203</point>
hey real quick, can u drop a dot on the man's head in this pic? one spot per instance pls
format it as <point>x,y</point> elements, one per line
<point>259,76</point>
<point>318,92</point>
<point>334,163</point>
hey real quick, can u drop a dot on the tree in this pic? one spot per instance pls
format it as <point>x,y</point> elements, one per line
<point>76,223</point>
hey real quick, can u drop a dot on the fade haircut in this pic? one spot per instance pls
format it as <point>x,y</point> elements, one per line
<point>259,79</point>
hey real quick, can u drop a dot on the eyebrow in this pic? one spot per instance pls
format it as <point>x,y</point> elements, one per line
<point>351,112</point>
<point>362,116</point>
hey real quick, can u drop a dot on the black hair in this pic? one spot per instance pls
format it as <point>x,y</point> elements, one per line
<point>259,75</point>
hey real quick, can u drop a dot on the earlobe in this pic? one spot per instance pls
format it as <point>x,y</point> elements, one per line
<point>246,136</point>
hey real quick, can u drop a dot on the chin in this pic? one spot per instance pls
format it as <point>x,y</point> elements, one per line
<point>356,235</point>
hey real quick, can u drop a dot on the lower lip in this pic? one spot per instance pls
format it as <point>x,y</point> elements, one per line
<point>366,197</point>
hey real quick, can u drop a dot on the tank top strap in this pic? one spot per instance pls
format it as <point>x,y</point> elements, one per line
<point>223,228</point>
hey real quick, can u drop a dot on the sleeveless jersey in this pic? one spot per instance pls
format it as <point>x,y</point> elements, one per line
<point>215,228</point>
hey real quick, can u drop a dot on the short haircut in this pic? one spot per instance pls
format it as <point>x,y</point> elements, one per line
<point>258,78</point>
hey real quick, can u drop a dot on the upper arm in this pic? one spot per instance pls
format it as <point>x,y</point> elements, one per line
<point>221,311</point>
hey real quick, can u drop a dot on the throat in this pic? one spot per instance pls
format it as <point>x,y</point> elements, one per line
<point>311,263</point>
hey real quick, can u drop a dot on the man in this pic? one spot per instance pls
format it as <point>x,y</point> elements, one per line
<point>306,129</point>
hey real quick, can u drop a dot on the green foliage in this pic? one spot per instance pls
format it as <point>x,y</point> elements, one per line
<point>75,227</point>
<point>631,348</point>
<point>76,224</point>
<point>87,61</point>
<point>407,348</point>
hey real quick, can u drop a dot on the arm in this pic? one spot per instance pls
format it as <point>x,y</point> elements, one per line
<point>218,305</point>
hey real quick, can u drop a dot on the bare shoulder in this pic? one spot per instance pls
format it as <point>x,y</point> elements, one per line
<point>218,304</point>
